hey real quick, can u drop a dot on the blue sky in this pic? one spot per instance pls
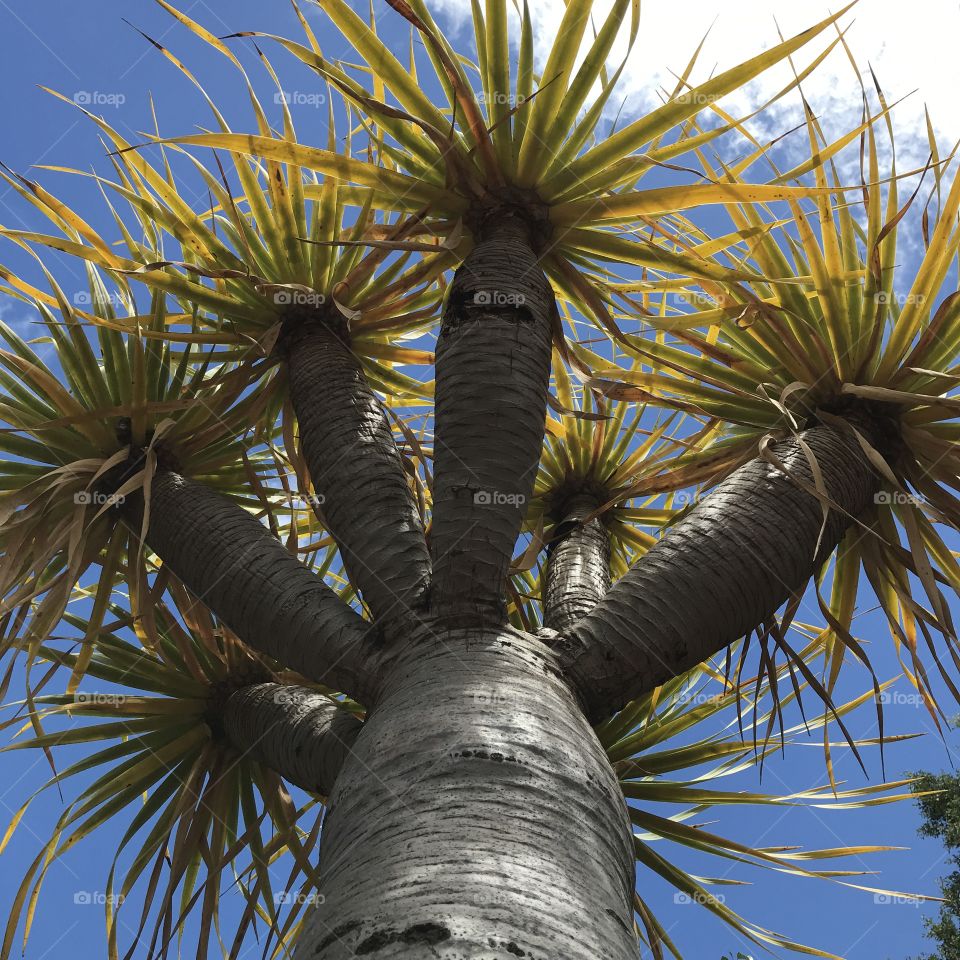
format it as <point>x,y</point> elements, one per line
<point>102,62</point>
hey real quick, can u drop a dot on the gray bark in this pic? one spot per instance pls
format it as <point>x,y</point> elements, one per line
<point>577,574</point>
<point>492,370</point>
<point>356,470</point>
<point>476,816</point>
<point>718,573</point>
<point>295,731</point>
<point>232,563</point>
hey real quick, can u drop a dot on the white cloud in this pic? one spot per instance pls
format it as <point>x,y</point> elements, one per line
<point>911,47</point>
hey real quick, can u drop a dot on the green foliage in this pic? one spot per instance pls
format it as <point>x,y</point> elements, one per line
<point>939,802</point>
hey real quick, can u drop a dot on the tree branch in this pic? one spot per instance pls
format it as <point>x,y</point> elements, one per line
<point>577,574</point>
<point>295,731</point>
<point>234,565</point>
<point>492,368</point>
<point>366,502</point>
<point>717,573</point>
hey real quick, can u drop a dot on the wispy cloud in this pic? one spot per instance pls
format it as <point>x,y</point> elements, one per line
<point>911,48</point>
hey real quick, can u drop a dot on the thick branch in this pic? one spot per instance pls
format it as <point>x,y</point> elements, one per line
<point>295,731</point>
<point>356,471</point>
<point>718,573</point>
<point>493,368</point>
<point>577,574</point>
<point>234,565</point>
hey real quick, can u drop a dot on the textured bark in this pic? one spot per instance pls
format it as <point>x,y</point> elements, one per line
<point>476,816</point>
<point>295,731</point>
<point>718,573</point>
<point>232,563</point>
<point>492,369</point>
<point>577,574</point>
<point>356,471</point>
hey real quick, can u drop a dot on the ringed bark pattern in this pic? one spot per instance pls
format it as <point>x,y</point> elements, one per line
<point>719,572</point>
<point>476,816</point>
<point>356,469</point>
<point>294,730</point>
<point>577,574</point>
<point>492,375</point>
<point>234,565</point>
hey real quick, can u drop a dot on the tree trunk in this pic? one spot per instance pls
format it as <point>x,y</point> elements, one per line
<point>718,573</point>
<point>476,816</point>
<point>232,563</point>
<point>493,368</point>
<point>295,731</point>
<point>355,467</point>
<point>577,574</point>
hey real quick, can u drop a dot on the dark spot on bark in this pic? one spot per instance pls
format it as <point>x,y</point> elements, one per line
<point>426,933</point>
<point>498,757</point>
<point>511,947</point>
<point>375,941</point>
<point>616,916</point>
